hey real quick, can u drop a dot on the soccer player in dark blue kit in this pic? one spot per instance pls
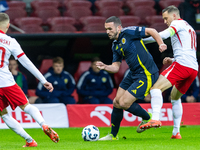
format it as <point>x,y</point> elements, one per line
<point>143,73</point>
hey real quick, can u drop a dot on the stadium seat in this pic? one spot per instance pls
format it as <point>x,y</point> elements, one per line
<point>92,20</point>
<point>45,13</point>
<point>93,24</point>
<point>120,74</point>
<point>32,29</point>
<point>102,4</point>
<point>110,11</point>
<point>63,28</point>
<point>165,3</point>
<point>45,65</point>
<point>113,94</point>
<point>82,67</point>
<point>75,95</point>
<point>77,3</point>
<point>142,12</point>
<point>28,21</point>
<point>77,12</point>
<point>154,19</point>
<point>62,24</point>
<point>129,20</point>
<point>38,4</point>
<point>142,3</point>
<point>15,13</point>
<point>94,28</point>
<point>159,26</point>
<point>31,92</point>
<point>61,20</point>
<point>16,4</point>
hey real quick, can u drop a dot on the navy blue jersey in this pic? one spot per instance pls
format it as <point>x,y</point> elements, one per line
<point>129,46</point>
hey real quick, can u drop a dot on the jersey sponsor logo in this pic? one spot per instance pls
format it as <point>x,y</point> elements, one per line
<point>123,40</point>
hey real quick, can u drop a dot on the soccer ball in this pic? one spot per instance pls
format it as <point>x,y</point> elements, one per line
<point>90,133</point>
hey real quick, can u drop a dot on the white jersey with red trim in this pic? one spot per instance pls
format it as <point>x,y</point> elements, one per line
<point>184,44</point>
<point>8,46</point>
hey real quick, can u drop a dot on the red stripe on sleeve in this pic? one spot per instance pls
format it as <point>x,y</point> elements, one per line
<point>20,55</point>
<point>174,29</point>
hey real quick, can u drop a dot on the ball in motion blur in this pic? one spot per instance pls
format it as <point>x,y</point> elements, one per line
<point>90,133</point>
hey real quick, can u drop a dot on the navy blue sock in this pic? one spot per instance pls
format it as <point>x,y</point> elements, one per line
<point>137,110</point>
<point>116,118</point>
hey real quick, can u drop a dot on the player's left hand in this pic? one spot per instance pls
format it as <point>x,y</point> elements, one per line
<point>48,86</point>
<point>167,60</point>
<point>162,47</point>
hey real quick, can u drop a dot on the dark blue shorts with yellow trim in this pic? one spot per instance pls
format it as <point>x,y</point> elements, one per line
<point>138,84</point>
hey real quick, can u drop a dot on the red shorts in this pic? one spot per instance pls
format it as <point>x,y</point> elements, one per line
<point>180,76</point>
<point>13,96</point>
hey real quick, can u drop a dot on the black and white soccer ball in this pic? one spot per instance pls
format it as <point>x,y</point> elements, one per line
<point>90,133</point>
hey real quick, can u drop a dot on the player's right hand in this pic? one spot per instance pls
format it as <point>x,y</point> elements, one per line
<point>162,47</point>
<point>100,65</point>
<point>48,86</point>
<point>167,60</point>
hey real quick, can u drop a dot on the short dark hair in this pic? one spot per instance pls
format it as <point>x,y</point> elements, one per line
<point>58,60</point>
<point>12,57</point>
<point>95,59</point>
<point>4,17</point>
<point>114,19</point>
<point>170,9</point>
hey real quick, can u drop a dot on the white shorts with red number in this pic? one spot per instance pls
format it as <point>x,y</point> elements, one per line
<point>13,96</point>
<point>180,76</point>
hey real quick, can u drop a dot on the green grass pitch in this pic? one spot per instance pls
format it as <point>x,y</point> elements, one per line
<point>70,139</point>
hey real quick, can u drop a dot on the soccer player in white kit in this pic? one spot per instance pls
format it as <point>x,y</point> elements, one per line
<point>180,74</point>
<point>11,94</point>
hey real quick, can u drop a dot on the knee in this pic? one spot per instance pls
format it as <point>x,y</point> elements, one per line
<point>123,104</point>
<point>3,112</point>
<point>116,103</point>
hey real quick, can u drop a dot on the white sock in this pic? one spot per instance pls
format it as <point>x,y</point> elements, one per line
<point>16,127</point>
<point>156,103</point>
<point>177,111</point>
<point>35,114</point>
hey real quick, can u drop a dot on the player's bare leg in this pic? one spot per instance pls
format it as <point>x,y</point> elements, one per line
<point>35,114</point>
<point>17,128</point>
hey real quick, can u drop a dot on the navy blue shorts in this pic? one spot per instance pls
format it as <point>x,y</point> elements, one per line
<point>138,84</point>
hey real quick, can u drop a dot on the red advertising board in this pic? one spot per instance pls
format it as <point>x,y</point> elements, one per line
<point>81,115</point>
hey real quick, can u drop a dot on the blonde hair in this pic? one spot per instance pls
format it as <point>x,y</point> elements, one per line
<point>4,20</point>
<point>170,9</point>
<point>58,60</point>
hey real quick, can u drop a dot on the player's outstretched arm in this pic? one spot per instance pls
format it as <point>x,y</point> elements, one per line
<point>157,37</point>
<point>114,68</point>
<point>163,34</point>
<point>24,60</point>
